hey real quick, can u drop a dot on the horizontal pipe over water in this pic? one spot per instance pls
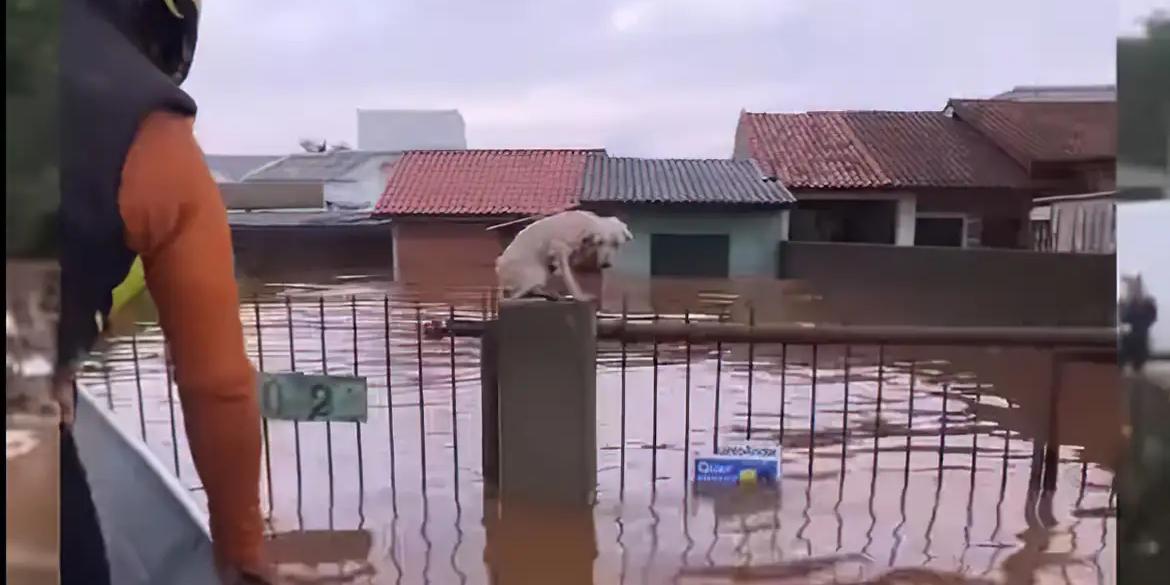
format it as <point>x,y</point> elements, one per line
<point>1103,338</point>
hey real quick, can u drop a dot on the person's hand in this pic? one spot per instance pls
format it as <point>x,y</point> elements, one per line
<point>62,390</point>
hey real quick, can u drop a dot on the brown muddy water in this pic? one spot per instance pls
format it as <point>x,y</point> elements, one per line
<point>911,468</point>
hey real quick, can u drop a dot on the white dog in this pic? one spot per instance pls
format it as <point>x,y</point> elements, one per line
<point>551,244</point>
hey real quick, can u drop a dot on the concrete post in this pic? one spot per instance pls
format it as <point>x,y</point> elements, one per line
<point>547,402</point>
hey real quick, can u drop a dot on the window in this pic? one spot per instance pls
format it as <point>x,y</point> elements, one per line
<point>948,231</point>
<point>849,221</point>
<point>703,256</point>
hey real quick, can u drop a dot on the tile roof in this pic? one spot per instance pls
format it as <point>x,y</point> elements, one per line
<point>1044,131</point>
<point>484,182</point>
<point>233,167</point>
<point>315,167</point>
<point>641,180</point>
<point>875,150</point>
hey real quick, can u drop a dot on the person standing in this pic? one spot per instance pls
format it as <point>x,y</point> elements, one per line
<point>134,183</point>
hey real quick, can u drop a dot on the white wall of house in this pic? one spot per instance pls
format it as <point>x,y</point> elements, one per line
<point>754,237</point>
<point>907,213</point>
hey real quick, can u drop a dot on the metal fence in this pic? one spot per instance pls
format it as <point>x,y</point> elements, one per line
<point>837,399</point>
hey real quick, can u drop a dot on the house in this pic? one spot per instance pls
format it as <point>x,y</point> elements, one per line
<point>348,179</point>
<point>443,202</point>
<point>890,177</point>
<point>1060,93</point>
<point>1065,147</point>
<point>231,168</point>
<point>277,242</point>
<point>690,218</point>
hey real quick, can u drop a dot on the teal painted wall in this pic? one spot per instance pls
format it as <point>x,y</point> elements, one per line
<point>754,237</point>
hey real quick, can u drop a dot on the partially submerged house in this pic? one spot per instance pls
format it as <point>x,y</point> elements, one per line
<point>880,177</point>
<point>232,168</point>
<point>443,202</point>
<point>349,179</point>
<point>690,218</point>
<point>1065,147</point>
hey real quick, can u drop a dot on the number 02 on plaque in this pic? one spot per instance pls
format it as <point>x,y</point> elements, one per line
<point>309,398</point>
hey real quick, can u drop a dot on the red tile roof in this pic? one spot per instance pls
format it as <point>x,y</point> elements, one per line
<point>875,150</point>
<point>484,182</point>
<point>1045,131</point>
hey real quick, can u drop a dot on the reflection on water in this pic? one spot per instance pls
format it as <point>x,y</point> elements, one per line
<point>920,467</point>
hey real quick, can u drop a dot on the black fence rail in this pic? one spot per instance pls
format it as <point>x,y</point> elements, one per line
<point>836,399</point>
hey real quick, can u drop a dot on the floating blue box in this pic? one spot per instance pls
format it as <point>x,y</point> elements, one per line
<point>739,466</point>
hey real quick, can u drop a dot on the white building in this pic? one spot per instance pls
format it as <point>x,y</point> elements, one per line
<point>397,130</point>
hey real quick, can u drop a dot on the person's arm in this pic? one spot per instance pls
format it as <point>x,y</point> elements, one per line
<point>175,219</point>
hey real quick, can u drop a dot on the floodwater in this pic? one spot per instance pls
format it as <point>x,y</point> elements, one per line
<point>899,465</point>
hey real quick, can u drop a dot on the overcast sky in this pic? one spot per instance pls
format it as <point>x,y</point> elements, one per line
<point>638,77</point>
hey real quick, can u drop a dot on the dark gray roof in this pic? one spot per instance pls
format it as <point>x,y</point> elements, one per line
<point>233,167</point>
<point>644,180</point>
<point>316,167</point>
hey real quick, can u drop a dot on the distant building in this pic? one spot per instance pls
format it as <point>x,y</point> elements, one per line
<point>349,179</point>
<point>442,203</point>
<point>690,218</point>
<point>881,177</point>
<point>1065,147</point>
<point>1060,93</point>
<point>398,130</point>
<point>231,168</point>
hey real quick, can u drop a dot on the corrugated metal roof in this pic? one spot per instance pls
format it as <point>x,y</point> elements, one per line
<point>875,150</point>
<point>484,182</point>
<point>233,167</point>
<point>640,180</point>
<point>317,167</point>
<point>1032,131</point>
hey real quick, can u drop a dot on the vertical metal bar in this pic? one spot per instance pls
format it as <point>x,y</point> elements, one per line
<point>292,366</point>
<point>357,426</point>
<point>812,413</point>
<point>845,413</point>
<point>138,383</point>
<point>783,387</point>
<point>910,414</point>
<point>171,407</point>
<point>942,436</point>
<point>263,420</point>
<point>490,409</point>
<point>622,447</point>
<point>106,365</point>
<point>389,399</point>
<point>454,407</point>
<point>881,375</point>
<point>1052,453</point>
<point>654,412</point>
<point>975,433</point>
<point>751,367</point>
<point>718,388</point>
<point>328,424</point>
<point>422,429</point>
<point>687,404</point>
